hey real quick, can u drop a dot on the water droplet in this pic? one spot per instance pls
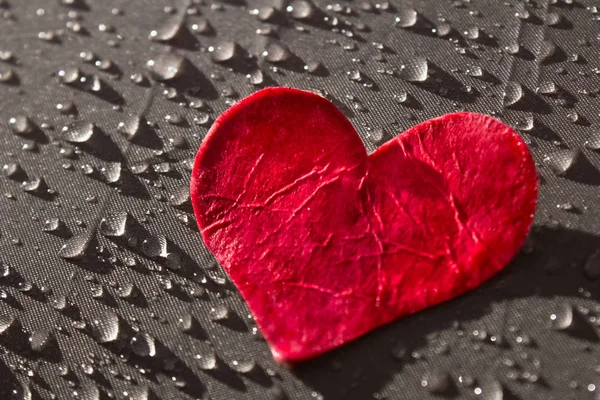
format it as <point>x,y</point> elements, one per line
<point>175,119</point>
<point>401,97</point>
<point>154,246</point>
<point>112,172</point>
<point>354,75</point>
<point>415,70</point>
<point>522,12</point>
<point>276,392</point>
<point>512,48</point>
<point>162,168</point>
<point>466,380</point>
<point>475,71</point>
<point>171,93</point>
<point>243,366</point>
<point>472,33</point>
<point>443,29</point>
<point>593,140</point>
<point>131,126</point>
<point>4,270</point>
<point>77,247</point>
<point>139,393</point>
<point>87,392</point>
<point>142,344</point>
<point>92,84</point>
<point>98,292</point>
<point>24,286</point>
<point>489,389</point>
<point>166,66</point>
<point>301,10</point>
<point>219,312</point>
<point>202,27</point>
<point>114,225</point>
<point>141,168</point>
<point>47,36</point>
<point>105,28</point>
<point>313,67</point>
<point>573,116</point>
<point>88,170</point>
<point>170,28</point>
<point>67,108</point>
<point>21,125</point>
<point>564,318</point>
<point>407,18</point>
<point>180,196</point>
<point>78,132</point>
<point>23,392</point>
<point>561,161</point>
<point>437,382</point>
<point>526,123</point>
<point>206,361</point>
<point>513,93</point>
<point>13,171</point>
<point>7,75</point>
<point>105,327</point>
<point>63,370</point>
<point>104,64</point>
<point>547,87</point>
<point>6,322</point>
<point>40,340</point>
<point>6,56</point>
<point>264,13</point>
<point>87,369</point>
<point>69,75</point>
<point>60,303</point>
<point>276,52</point>
<point>186,323</point>
<point>256,78</point>
<point>223,51</point>
<point>377,135</point>
<point>552,18</point>
<point>36,186</point>
<point>546,50</point>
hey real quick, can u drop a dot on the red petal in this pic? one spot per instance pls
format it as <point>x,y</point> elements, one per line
<point>326,243</point>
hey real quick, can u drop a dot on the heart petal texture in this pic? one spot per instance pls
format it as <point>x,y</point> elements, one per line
<point>326,243</point>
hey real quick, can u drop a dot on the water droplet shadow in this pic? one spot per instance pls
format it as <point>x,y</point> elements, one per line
<point>101,145</point>
<point>185,40</point>
<point>558,56</point>
<point>233,322</point>
<point>225,374</point>
<point>531,102</point>
<point>544,132</point>
<point>147,136</point>
<point>192,77</point>
<point>583,171</point>
<point>445,85</point>
<point>131,186</point>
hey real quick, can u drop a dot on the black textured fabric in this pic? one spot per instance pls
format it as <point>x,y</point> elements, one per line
<point>530,333</point>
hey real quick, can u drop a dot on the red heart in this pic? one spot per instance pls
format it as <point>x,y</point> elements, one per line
<point>326,243</point>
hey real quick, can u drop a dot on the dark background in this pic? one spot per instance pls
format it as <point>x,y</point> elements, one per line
<point>500,339</point>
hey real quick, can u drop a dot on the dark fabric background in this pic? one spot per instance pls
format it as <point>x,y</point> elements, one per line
<point>498,340</point>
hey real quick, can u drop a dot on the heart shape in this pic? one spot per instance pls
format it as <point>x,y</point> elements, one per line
<point>326,243</point>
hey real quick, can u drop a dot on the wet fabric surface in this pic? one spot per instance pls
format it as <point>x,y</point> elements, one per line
<point>107,289</point>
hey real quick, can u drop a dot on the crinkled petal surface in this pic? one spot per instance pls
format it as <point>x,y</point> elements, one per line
<point>326,243</point>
